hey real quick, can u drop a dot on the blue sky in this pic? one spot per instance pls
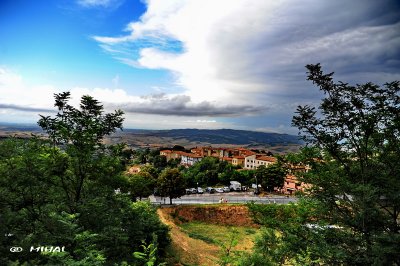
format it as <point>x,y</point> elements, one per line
<point>190,64</point>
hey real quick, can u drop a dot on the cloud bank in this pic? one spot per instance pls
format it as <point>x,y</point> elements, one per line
<point>254,52</point>
<point>181,105</point>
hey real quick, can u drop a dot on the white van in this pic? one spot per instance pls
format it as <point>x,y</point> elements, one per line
<point>235,186</point>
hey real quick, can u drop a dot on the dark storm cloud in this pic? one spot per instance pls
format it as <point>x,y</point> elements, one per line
<point>24,108</point>
<point>181,105</point>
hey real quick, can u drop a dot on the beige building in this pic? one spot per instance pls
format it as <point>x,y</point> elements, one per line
<point>238,160</point>
<point>169,154</point>
<point>254,161</point>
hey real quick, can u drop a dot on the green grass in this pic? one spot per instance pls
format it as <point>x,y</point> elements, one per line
<point>214,234</point>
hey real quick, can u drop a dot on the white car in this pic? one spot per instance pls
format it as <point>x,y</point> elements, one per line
<point>226,189</point>
<point>200,190</point>
<point>219,190</point>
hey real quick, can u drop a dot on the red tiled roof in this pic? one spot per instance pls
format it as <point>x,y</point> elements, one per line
<point>266,158</point>
<point>190,155</point>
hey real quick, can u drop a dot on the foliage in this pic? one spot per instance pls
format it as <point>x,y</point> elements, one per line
<point>158,161</point>
<point>356,185</point>
<point>271,176</point>
<point>203,173</point>
<point>62,192</point>
<point>228,255</point>
<point>350,214</point>
<point>150,170</point>
<point>289,235</point>
<point>141,185</point>
<point>141,156</point>
<point>211,171</point>
<point>149,255</point>
<point>171,184</point>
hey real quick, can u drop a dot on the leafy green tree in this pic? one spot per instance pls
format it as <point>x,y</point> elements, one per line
<point>141,185</point>
<point>174,163</point>
<point>141,156</point>
<point>356,184</point>
<point>28,197</point>
<point>171,184</point>
<point>288,236</point>
<point>62,191</point>
<point>204,172</point>
<point>80,132</point>
<point>271,176</point>
<point>350,214</point>
<point>158,161</point>
<point>150,170</point>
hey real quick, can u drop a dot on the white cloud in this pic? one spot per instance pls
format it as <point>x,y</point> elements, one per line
<point>99,3</point>
<point>20,101</point>
<point>14,91</point>
<point>246,51</point>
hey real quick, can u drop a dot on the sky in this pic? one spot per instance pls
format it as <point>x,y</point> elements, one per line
<point>187,63</point>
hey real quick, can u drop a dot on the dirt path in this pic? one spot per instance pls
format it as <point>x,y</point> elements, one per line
<point>190,251</point>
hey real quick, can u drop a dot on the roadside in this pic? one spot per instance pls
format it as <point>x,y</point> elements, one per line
<point>232,197</point>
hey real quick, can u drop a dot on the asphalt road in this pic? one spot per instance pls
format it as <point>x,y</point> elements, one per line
<point>231,197</point>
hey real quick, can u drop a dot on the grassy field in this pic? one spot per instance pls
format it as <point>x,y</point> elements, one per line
<point>218,234</point>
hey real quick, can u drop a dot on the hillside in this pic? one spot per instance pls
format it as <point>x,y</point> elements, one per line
<point>138,138</point>
<point>275,142</point>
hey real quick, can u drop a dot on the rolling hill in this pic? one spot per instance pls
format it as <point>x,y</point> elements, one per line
<point>139,138</point>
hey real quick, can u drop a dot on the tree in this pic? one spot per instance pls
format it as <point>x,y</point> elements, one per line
<point>287,236</point>
<point>62,191</point>
<point>141,185</point>
<point>271,176</point>
<point>159,161</point>
<point>80,133</point>
<point>171,184</point>
<point>204,172</point>
<point>356,183</point>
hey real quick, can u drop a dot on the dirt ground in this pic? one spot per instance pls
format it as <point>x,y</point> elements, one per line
<point>192,251</point>
<point>233,215</point>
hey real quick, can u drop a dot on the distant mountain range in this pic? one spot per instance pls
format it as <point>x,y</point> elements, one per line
<point>140,138</point>
<point>220,136</point>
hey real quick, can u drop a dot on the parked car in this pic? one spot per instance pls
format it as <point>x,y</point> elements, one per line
<point>200,190</point>
<point>219,190</point>
<point>226,189</point>
<point>193,190</point>
<point>188,191</point>
<point>210,190</point>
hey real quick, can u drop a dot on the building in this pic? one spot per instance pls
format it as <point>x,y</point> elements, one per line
<point>236,156</point>
<point>189,159</point>
<point>227,159</point>
<point>265,160</point>
<point>254,161</point>
<point>170,154</point>
<point>238,160</point>
<point>292,184</point>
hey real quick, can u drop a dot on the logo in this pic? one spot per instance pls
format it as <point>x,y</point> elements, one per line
<point>16,249</point>
<point>47,249</point>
